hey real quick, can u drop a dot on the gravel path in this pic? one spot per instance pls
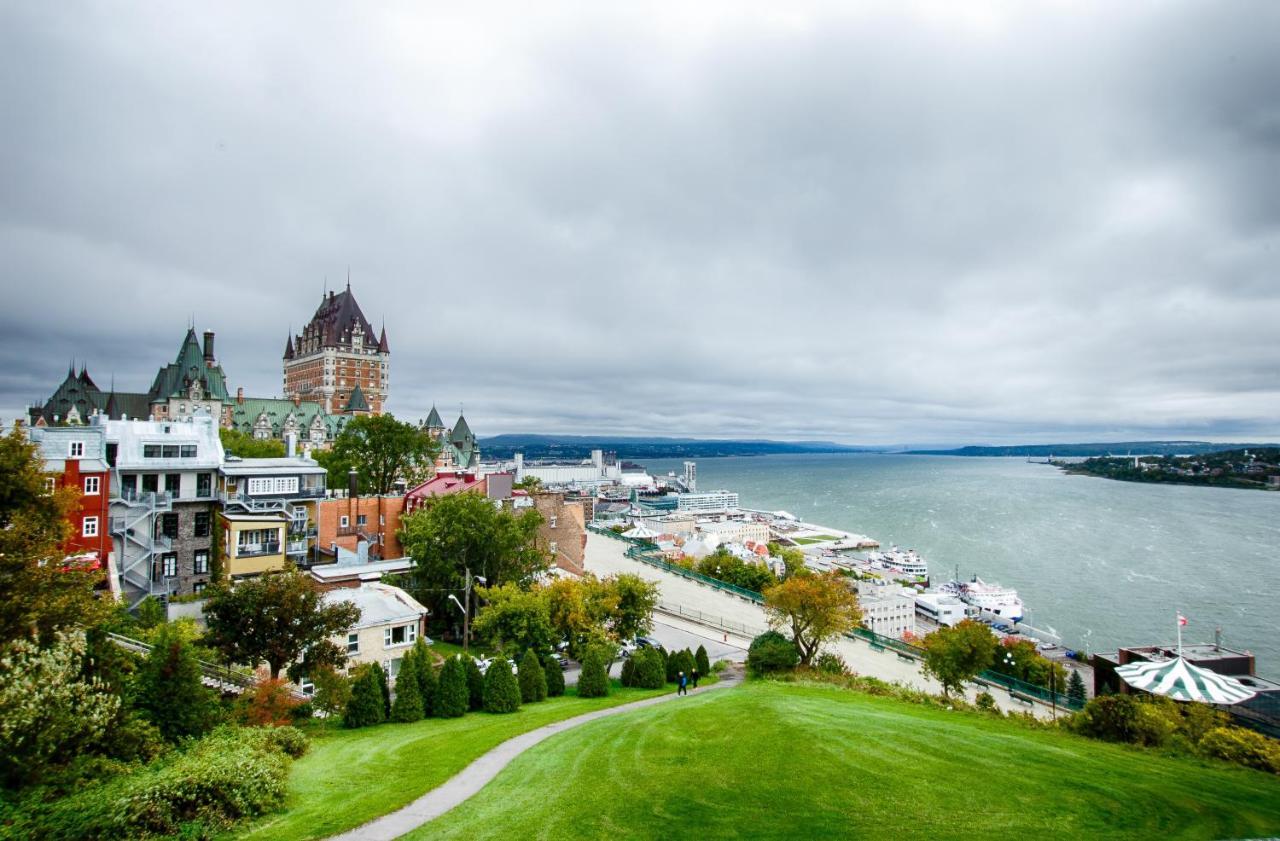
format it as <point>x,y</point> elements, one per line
<point>477,775</point>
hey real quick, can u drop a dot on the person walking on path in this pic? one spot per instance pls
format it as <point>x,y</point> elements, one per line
<point>694,676</point>
<point>682,684</point>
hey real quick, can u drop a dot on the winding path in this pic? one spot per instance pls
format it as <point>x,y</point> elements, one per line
<point>477,775</point>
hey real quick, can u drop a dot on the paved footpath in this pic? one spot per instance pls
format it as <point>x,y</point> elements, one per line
<point>477,775</point>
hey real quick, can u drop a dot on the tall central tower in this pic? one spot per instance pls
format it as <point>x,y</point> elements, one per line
<point>337,360</point>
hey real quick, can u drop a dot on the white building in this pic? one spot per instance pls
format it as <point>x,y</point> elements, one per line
<point>940,608</point>
<point>888,609</point>
<point>710,501</point>
<point>390,623</point>
<point>737,531</point>
<point>594,471</point>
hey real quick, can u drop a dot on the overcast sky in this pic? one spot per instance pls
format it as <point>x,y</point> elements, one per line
<point>920,222</point>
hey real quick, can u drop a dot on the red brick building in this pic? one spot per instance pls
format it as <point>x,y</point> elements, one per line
<point>78,457</point>
<point>376,519</point>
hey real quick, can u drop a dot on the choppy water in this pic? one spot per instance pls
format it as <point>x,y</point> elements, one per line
<point>1103,563</point>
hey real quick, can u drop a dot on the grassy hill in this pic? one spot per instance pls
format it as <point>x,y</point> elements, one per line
<point>770,760</point>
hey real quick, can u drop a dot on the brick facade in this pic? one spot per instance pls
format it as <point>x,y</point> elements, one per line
<point>563,532</point>
<point>381,524</point>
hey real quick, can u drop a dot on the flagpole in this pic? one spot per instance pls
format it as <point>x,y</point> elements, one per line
<point>1177,618</point>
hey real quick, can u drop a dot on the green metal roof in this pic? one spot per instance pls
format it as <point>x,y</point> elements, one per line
<point>245,415</point>
<point>174,379</point>
<point>357,403</point>
<point>433,420</point>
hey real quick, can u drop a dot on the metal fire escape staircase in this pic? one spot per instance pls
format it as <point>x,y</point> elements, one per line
<point>139,544</point>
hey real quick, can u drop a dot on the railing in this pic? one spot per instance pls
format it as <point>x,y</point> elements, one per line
<point>297,546</point>
<point>708,619</point>
<point>643,551</point>
<point>255,550</point>
<point>156,499</point>
<point>224,677</point>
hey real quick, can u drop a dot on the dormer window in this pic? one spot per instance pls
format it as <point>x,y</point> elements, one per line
<point>75,449</point>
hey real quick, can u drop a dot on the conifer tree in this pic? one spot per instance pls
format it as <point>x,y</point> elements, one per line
<point>1075,687</point>
<point>533,680</point>
<point>170,691</point>
<point>629,671</point>
<point>381,675</point>
<point>555,676</point>
<point>475,684</point>
<point>426,677</point>
<point>407,705</point>
<point>501,692</point>
<point>650,671</point>
<point>701,660</point>
<point>452,697</point>
<point>593,682</point>
<point>365,707</point>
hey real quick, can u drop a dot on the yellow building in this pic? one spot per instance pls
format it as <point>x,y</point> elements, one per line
<point>269,513</point>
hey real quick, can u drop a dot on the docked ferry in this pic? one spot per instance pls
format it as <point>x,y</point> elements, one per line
<point>908,563</point>
<point>992,598</point>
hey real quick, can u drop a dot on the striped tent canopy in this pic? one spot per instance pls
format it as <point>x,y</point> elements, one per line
<point>1181,681</point>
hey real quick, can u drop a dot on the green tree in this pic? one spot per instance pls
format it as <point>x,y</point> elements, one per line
<point>628,676</point>
<point>593,682</point>
<point>454,533</point>
<point>555,676</point>
<point>383,451</point>
<point>151,613</point>
<point>771,652</point>
<point>651,671</point>
<point>452,696</point>
<point>814,609</point>
<point>1075,687</point>
<point>380,674</point>
<point>959,653</point>
<point>333,690</point>
<point>725,566</point>
<point>501,692</point>
<point>366,705</point>
<point>533,680</point>
<point>49,713</point>
<point>635,598</point>
<point>244,445</point>
<point>427,682</point>
<point>170,689</point>
<point>581,610</point>
<point>407,705</point>
<point>280,618</point>
<point>475,683</point>
<point>39,594</point>
<point>513,619</point>
<point>701,661</point>
<point>683,662</point>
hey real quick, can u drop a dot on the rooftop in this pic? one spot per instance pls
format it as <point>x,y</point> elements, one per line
<point>378,603</point>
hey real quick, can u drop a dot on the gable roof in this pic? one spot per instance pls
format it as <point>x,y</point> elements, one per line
<point>275,412</point>
<point>189,367</point>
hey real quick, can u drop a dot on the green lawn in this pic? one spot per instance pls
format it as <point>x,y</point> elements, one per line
<point>349,777</point>
<point>769,760</point>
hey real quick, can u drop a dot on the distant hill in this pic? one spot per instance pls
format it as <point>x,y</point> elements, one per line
<point>580,446</point>
<point>1113,448</point>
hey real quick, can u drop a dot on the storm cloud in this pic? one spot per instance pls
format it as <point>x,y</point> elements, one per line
<point>919,222</point>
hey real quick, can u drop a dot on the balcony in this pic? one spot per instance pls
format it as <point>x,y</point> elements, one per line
<point>255,550</point>
<point>297,547</point>
<point>154,499</point>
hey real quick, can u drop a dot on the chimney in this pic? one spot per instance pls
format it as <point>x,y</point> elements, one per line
<point>297,399</point>
<point>353,483</point>
<point>208,347</point>
<point>240,395</point>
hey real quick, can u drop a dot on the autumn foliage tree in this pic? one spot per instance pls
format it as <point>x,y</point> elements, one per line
<point>813,609</point>
<point>959,653</point>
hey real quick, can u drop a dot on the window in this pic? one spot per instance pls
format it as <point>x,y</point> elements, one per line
<point>92,485</point>
<point>344,522</point>
<point>276,485</point>
<point>172,482</point>
<point>361,520</point>
<point>198,587</point>
<point>50,484</point>
<point>553,547</point>
<point>201,524</point>
<point>75,449</point>
<point>204,484</point>
<point>169,562</point>
<point>90,527</point>
<point>169,524</point>
<point>399,635</point>
<point>353,643</point>
<point>551,521</point>
<point>129,484</point>
<point>150,482</point>
<point>202,562</point>
<point>112,449</point>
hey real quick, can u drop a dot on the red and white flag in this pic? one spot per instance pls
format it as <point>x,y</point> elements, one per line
<point>1182,620</point>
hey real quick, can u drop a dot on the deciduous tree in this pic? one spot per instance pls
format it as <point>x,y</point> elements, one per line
<point>814,609</point>
<point>513,620</point>
<point>280,618</point>
<point>635,599</point>
<point>383,451</point>
<point>959,653</point>
<point>244,445</point>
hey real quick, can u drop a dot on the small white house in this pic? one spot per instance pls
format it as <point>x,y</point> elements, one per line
<point>390,623</point>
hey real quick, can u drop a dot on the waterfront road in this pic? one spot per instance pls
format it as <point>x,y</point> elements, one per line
<point>722,611</point>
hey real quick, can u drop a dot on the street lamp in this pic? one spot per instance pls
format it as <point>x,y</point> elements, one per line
<point>466,609</point>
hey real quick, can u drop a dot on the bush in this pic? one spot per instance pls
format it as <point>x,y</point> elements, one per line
<point>629,670</point>
<point>271,704</point>
<point>426,677</point>
<point>170,691</point>
<point>533,681</point>
<point>593,682</point>
<point>407,705</point>
<point>650,673</point>
<point>986,703</point>
<point>475,684</point>
<point>333,691</point>
<point>771,652</point>
<point>555,677</point>
<point>501,691</point>
<point>1244,747</point>
<point>291,740</point>
<point>365,705</point>
<point>666,663</point>
<point>452,698</point>
<point>701,662</point>
<point>302,711</point>
<point>134,739</point>
<point>682,661</point>
<point>720,665</point>
<point>1112,718</point>
<point>831,664</point>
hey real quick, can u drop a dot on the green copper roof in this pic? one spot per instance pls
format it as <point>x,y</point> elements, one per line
<point>357,403</point>
<point>275,413</point>
<point>433,420</point>
<point>175,379</point>
<point>461,432</point>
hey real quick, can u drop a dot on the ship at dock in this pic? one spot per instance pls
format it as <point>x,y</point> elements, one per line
<point>1002,602</point>
<point>906,563</point>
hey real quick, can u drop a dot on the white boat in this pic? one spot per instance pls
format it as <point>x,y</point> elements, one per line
<point>896,560</point>
<point>992,598</point>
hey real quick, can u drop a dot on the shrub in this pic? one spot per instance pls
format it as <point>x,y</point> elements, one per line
<point>170,691</point>
<point>593,682</point>
<point>831,664</point>
<point>771,652</point>
<point>302,711</point>
<point>671,663</point>
<point>720,665</point>
<point>629,670</point>
<point>365,705</point>
<point>501,691</point>
<point>380,674</point>
<point>333,691</point>
<point>271,704</point>
<point>475,684</point>
<point>291,740</point>
<point>986,703</point>
<point>701,662</point>
<point>426,677</point>
<point>554,675</point>
<point>452,699</point>
<point>1245,747</point>
<point>134,739</point>
<point>650,673</point>
<point>407,705</point>
<point>533,681</point>
<point>683,662</point>
<point>1112,718</point>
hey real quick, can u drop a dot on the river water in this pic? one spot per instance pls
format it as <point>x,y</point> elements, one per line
<point>1102,563</point>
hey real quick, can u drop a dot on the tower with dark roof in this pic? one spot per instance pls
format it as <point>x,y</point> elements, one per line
<point>338,356</point>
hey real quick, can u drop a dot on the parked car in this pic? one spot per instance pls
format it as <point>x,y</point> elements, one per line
<point>647,642</point>
<point>628,647</point>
